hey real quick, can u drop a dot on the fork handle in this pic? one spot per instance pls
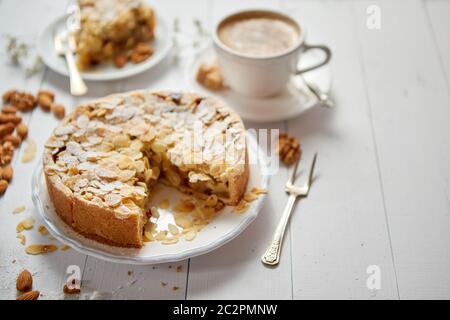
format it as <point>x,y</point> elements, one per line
<point>77,85</point>
<point>272,254</point>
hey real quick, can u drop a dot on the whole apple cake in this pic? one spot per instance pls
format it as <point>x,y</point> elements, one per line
<point>103,160</point>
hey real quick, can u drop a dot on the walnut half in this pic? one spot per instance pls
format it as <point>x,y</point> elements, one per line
<point>289,149</point>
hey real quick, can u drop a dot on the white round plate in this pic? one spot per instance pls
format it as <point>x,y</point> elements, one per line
<point>294,100</point>
<point>105,71</point>
<point>222,229</point>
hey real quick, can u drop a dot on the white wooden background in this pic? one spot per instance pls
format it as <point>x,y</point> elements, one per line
<point>382,196</point>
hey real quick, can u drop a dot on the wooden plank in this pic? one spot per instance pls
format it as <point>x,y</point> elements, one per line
<point>235,271</point>
<point>112,280</point>
<point>340,229</point>
<point>49,270</point>
<point>409,101</point>
<point>438,13</point>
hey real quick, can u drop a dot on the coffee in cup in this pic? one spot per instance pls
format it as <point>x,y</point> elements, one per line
<point>258,51</point>
<point>258,35</point>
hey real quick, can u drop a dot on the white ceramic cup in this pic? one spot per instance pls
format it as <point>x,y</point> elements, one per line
<point>265,76</point>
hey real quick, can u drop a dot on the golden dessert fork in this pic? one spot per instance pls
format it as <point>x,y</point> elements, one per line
<point>272,254</point>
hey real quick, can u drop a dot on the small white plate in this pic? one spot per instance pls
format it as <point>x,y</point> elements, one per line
<point>294,100</point>
<point>222,229</point>
<point>105,71</point>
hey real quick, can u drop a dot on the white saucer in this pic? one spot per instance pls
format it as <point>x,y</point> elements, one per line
<point>106,71</point>
<point>219,231</point>
<point>294,100</point>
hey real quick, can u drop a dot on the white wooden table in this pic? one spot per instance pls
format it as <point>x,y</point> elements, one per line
<point>382,196</point>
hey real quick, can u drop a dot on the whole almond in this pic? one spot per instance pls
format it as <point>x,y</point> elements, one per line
<point>15,140</point>
<point>58,110</point>
<point>47,93</point>
<point>22,130</point>
<point>30,295</point>
<point>3,186</point>
<point>9,109</point>
<point>24,281</point>
<point>6,129</point>
<point>45,99</point>
<point>7,173</point>
<point>9,117</point>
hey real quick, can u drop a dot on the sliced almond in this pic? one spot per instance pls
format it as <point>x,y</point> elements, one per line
<point>241,207</point>
<point>29,152</point>
<point>35,249</point>
<point>211,201</point>
<point>258,191</point>
<point>113,199</point>
<point>25,224</point>
<point>155,213</point>
<point>18,209</point>
<point>22,238</point>
<point>249,197</point>
<point>173,229</point>
<point>170,241</point>
<point>183,222</point>
<point>43,230</point>
<point>148,236</point>
<point>160,236</point>
<point>190,235</point>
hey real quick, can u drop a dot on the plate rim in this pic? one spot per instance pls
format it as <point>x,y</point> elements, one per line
<point>173,257</point>
<point>121,73</point>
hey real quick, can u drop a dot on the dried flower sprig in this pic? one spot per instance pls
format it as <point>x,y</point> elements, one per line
<point>19,52</point>
<point>16,50</point>
<point>191,41</point>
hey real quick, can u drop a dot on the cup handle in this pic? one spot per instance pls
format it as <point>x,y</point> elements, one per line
<point>324,62</point>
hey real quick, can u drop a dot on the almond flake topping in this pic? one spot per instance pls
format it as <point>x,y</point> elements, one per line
<point>113,200</point>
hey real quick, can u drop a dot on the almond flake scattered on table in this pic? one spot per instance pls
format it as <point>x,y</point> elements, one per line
<point>29,152</point>
<point>18,209</point>
<point>43,230</point>
<point>22,238</point>
<point>258,191</point>
<point>25,224</point>
<point>170,241</point>
<point>35,249</point>
<point>241,207</point>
